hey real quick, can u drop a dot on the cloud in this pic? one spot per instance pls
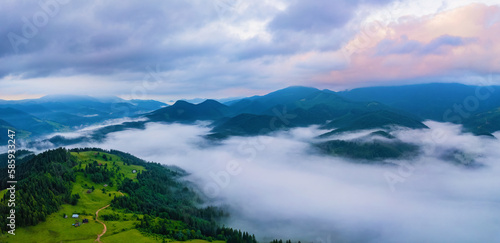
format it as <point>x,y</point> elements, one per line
<point>315,16</point>
<point>236,48</point>
<point>452,45</point>
<point>436,46</point>
<point>114,43</point>
<point>279,186</point>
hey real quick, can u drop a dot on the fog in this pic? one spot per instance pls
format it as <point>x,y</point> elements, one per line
<point>279,186</point>
<point>88,129</point>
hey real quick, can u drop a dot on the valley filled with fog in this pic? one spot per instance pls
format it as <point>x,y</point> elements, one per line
<point>279,185</point>
<point>232,121</point>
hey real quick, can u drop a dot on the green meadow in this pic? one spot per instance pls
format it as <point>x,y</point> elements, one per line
<point>58,228</point>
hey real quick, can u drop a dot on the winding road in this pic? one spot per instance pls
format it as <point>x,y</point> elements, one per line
<point>97,219</point>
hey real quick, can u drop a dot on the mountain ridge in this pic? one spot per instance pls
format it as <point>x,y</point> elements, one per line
<point>299,106</point>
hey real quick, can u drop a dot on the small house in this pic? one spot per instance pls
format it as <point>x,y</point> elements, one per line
<point>75,216</point>
<point>134,171</point>
<point>105,185</point>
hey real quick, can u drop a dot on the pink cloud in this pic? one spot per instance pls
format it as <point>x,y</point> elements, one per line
<point>463,40</point>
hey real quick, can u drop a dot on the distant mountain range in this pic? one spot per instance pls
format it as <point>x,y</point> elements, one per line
<point>377,108</point>
<point>60,113</point>
<point>475,107</point>
<point>182,111</point>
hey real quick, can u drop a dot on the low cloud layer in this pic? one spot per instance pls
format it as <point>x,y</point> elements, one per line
<point>279,186</point>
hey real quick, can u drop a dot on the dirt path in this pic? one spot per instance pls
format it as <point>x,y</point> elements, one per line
<point>97,219</point>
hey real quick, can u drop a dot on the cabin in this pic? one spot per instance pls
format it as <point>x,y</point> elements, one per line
<point>75,216</point>
<point>134,171</point>
<point>105,185</point>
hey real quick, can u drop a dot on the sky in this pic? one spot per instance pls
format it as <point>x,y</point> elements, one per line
<point>168,50</point>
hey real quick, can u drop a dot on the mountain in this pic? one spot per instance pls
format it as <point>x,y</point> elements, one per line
<point>369,108</point>
<point>4,123</point>
<point>144,201</point>
<point>96,135</point>
<point>368,151</point>
<point>4,127</point>
<point>27,122</point>
<point>307,99</point>
<point>303,106</point>
<point>245,125</point>
<point>484,123</point>
<point>32,109</point>
<point>292,98</point>
<point>287,108</point>
<point>21,157</point>
<point>83,106</point>
<point>80,105</point>
<point>435,101</point>
<point>183,111</point>
<point>260,104</point>
<point>358,120</point>
<point>144,106</point>
<point>65,112</point>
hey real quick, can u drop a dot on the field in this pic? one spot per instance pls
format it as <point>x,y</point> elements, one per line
<point>57,228</point>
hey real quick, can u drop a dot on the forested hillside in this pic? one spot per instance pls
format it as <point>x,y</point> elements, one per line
<point>144,197</point>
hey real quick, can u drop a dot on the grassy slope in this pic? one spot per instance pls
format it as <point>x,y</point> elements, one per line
<point>59,229</point>
<point>2,192</point>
